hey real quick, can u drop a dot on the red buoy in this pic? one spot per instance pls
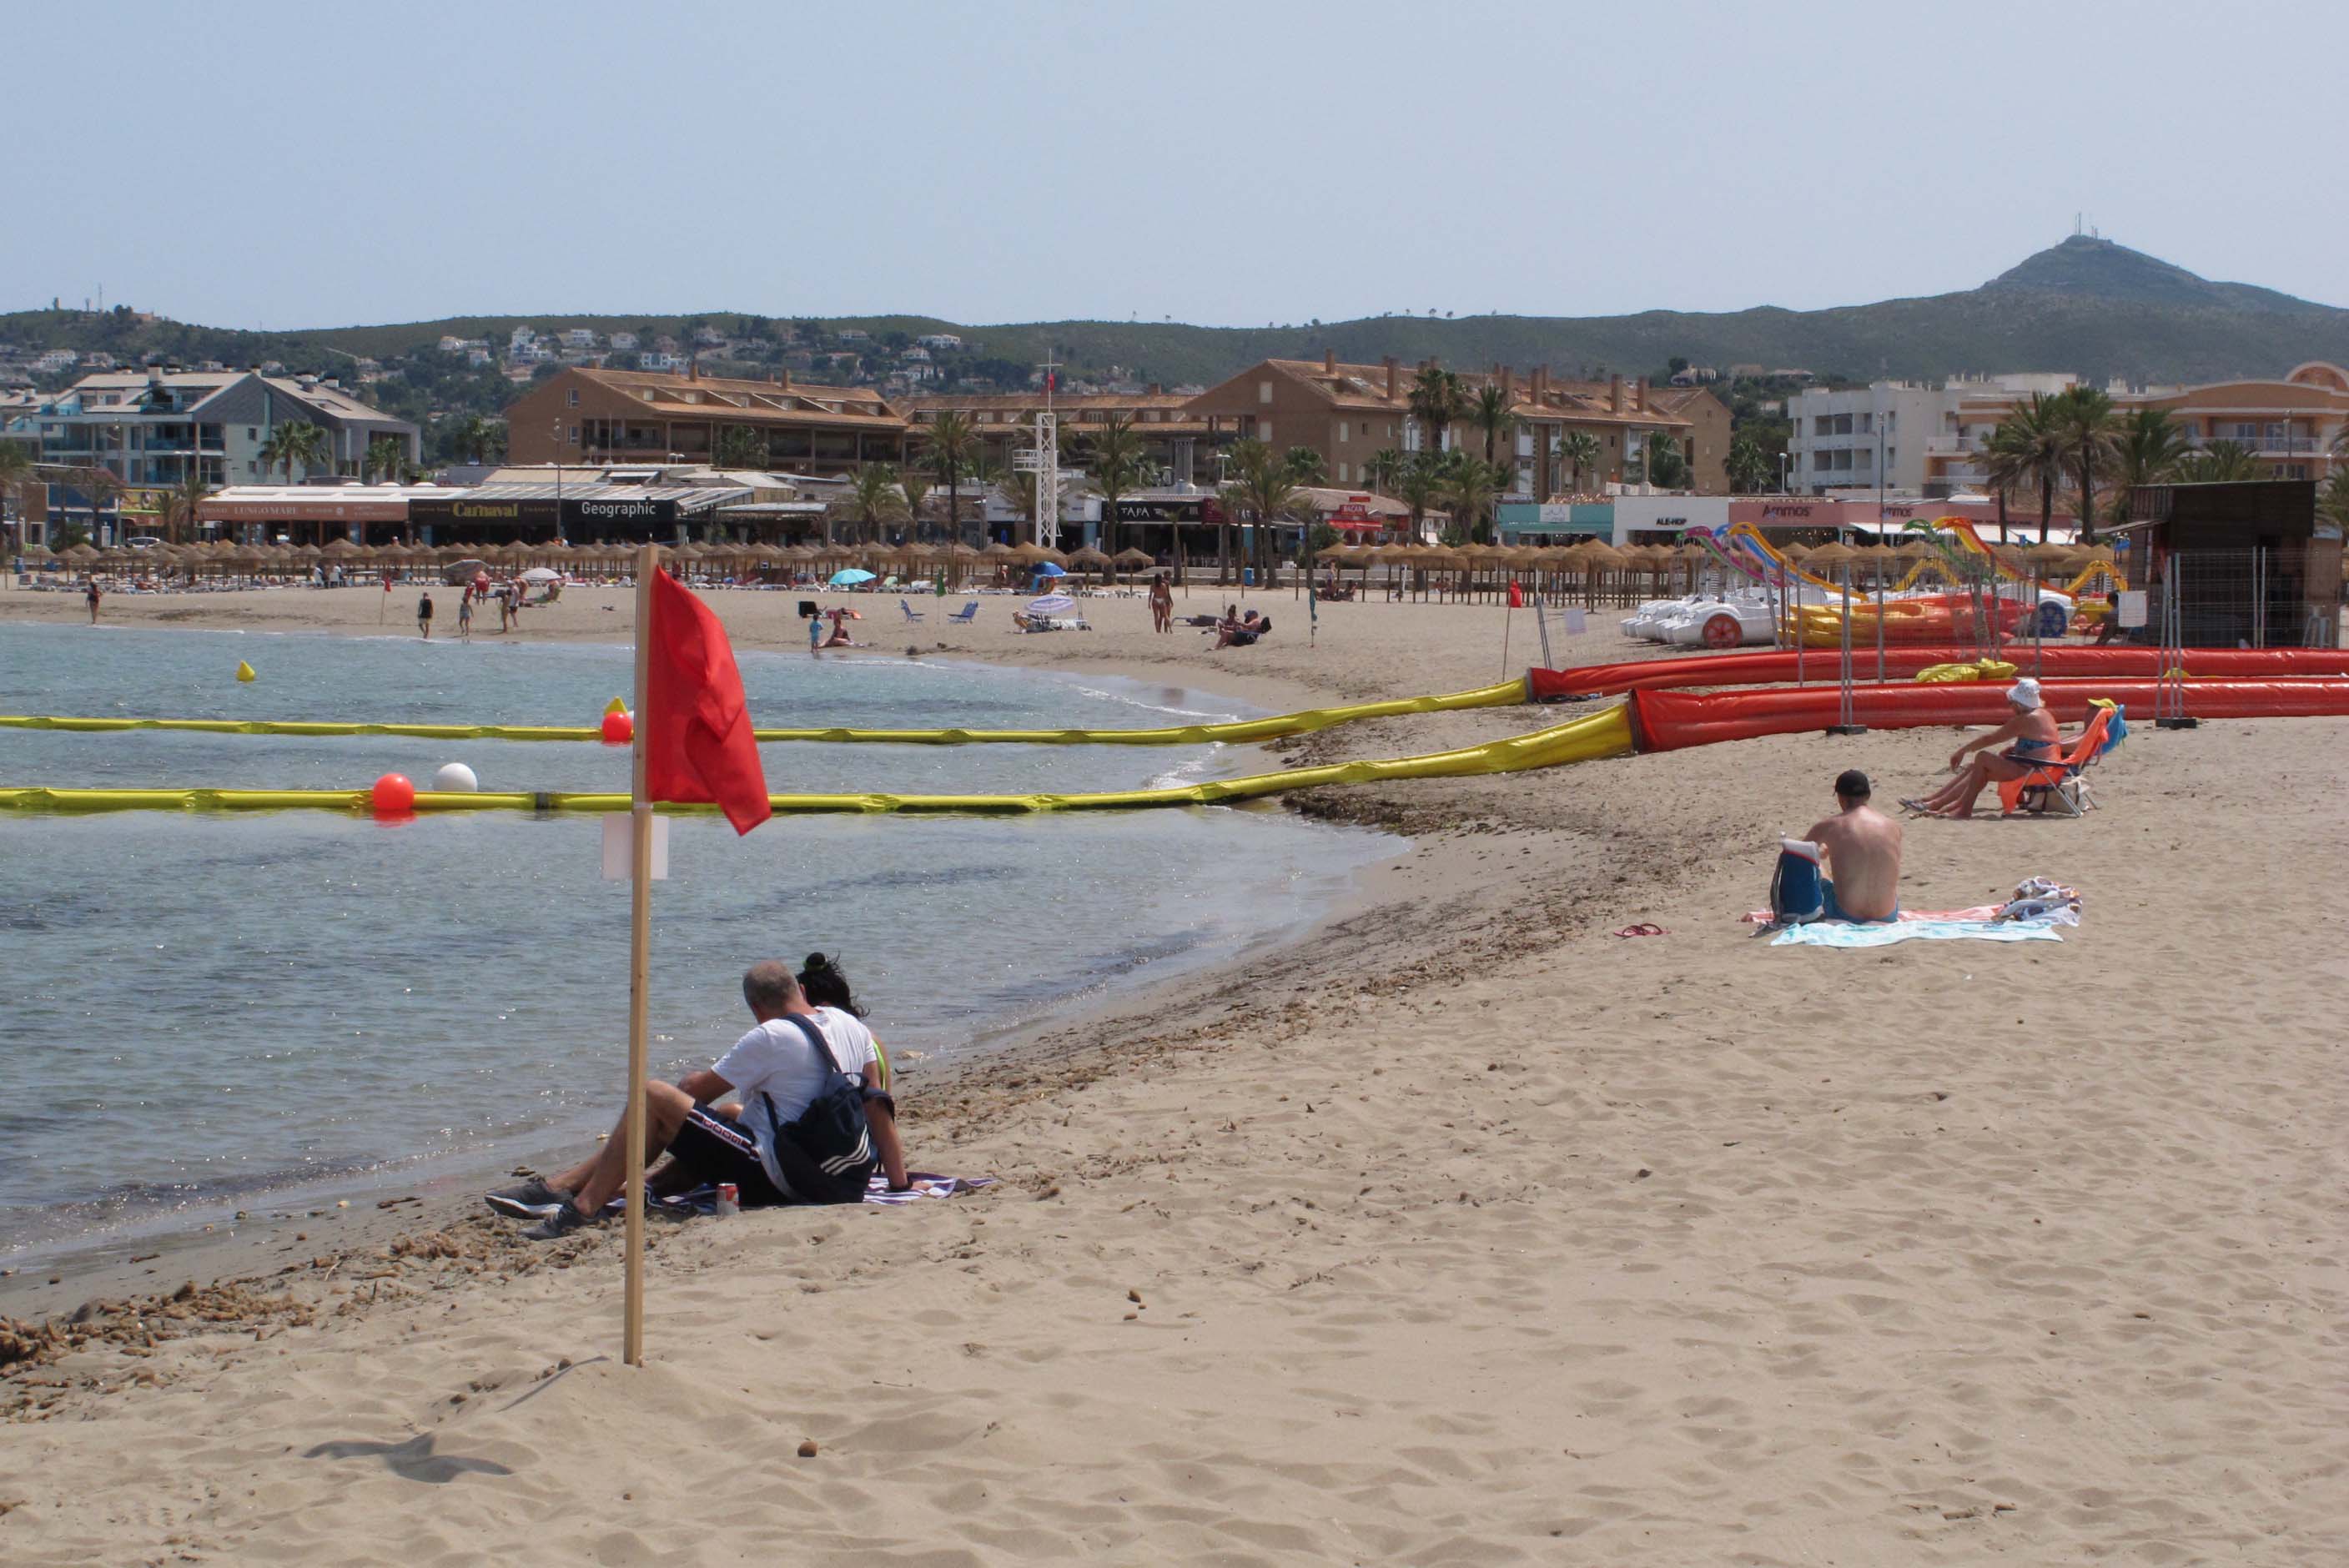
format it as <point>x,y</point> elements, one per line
<point>393,796</point>
<point>619,729</point>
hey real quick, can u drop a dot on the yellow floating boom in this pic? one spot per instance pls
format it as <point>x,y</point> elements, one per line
<point>1607,733</point>
<point>1507,693</point>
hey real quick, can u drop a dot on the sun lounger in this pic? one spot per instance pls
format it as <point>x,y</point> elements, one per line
<point>967,615</point>
<point>912,614</point>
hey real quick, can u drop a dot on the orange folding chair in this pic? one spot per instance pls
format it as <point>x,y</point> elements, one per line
<point>2058,783</point>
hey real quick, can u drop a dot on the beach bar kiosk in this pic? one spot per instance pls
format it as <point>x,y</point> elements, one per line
<point>2252,564</point>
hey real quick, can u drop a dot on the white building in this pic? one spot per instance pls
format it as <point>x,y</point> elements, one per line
<point>1882,435</point>
<point>56,359</point>
<point>661,359</point>
<point>578,337</point>
<point>939,340</point>
<point>522,338</point>
<point>623,342</point>
<point>916,355</point>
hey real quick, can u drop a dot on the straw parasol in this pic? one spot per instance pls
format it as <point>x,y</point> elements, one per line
<point>1835,554</point>
<point>1136,558</point>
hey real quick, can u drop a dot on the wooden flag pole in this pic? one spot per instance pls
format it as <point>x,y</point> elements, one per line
<point>640,910</point>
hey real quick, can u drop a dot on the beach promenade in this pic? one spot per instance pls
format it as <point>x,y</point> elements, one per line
<point>1459,1230</point>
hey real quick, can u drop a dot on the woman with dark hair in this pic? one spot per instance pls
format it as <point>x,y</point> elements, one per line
<point>823,984</point>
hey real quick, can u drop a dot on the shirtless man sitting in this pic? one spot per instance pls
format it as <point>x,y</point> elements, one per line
<point>2023,744</point>
<point>1863,848</point>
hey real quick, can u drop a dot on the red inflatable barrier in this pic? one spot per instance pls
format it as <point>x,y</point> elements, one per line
<point>1775,667</point>
<point>1671,720</point>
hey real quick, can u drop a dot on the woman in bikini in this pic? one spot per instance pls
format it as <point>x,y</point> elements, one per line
<point>2031,740</point>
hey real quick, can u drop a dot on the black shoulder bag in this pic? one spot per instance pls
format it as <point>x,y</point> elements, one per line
<point>827,1154</point>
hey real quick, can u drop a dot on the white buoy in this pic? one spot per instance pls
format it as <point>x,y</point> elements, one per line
<point>455,777</point>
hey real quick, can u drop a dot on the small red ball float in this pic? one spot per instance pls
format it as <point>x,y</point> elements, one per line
<point>393,796</point>
<point>619,729</point>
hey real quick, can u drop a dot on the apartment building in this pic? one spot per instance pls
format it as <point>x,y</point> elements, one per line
<point>1348,413</point>
<point>1171,432</point>
<point>1933,438</point>
<point>1852,440</point>
<point>581,415</point>
<point>157,428</point>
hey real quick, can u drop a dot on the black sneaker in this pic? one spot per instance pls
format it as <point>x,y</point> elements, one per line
<point>534,1199</point>
<point>559,1223</point>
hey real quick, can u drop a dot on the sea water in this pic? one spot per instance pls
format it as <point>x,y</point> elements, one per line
<point>199,1011</point>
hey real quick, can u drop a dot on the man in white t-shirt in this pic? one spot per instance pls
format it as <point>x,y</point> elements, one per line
<point>777,1072</point>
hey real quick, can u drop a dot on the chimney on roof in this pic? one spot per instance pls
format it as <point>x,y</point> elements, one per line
<point>1539,378</point>
<point>1509,383</point>
<point>1615,392</point>
<point>693,369</point>
<point>784,380</point>
<point>1639,394</point>
<point>1390,363</point>
<point>1328,362</point>
<point>1157,390</point>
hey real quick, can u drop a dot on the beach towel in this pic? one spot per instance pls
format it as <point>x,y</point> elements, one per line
<point>2038,907</point>
<point>1912,928</point>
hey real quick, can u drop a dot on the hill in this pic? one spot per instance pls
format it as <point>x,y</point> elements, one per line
<point>2088,305</point>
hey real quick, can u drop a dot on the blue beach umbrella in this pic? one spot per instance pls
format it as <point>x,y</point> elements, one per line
<point>849,577</point>
<point>1046,569</point>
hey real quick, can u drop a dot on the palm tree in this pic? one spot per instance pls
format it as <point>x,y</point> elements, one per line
<point>1489,411</point>
<point>477,438</point>
<point>871,500</point>
<point>103,488</point>
<point>1262,487</point>
<point>1117,462</point>
<point>383,459</point>
<point>294,441</point>
<point>1667,466</point>
<point>1579,451</point>
<point>180,506</point>
<point>1436,401</point>
<point>2091,437</point>
<point>951,445</point>
<point>2333,502</point>
<point>1384,468</point>
<point>2146,452</point>
<point>740,446</point>
<point>914,486</point>
<point>1470,486</point>
<point>2221,462</point>
<point>1749,466</point>
<point>1305,466</point>
<point>16,470</point>
<point>1017,488</point>
<point>1419,487</point>
<point>2028,448</point>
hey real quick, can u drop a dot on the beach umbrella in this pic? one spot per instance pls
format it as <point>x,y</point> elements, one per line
<point>1050,568</point>
<point>541,574</point>
<point>850,576</point>
<point>1052,604</point>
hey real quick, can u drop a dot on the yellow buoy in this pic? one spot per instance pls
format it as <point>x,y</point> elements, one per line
<point>244,671</point>
<point>617,705</point>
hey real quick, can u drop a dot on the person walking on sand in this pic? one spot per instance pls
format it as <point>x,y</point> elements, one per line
<point>464,618</point>
<point>1161,605</point>
<point>424,616</point>
<point>91,593</point>
<point>777,1070</point>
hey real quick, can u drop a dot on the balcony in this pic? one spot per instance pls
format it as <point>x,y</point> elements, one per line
<point>1949,446</point>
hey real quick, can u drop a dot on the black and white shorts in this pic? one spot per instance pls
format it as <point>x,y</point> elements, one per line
<point>718,1148</point>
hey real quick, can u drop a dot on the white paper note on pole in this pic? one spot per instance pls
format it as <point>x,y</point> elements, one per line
<point>616,845</point>
<point>2132,610</point>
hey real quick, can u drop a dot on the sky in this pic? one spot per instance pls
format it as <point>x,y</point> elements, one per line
<point>278,166</point>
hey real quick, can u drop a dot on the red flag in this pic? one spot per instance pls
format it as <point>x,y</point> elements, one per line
<point>698,740</point>
<point>1516,596</point>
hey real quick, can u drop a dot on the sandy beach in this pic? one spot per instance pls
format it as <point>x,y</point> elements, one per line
<point>1458,1231</point>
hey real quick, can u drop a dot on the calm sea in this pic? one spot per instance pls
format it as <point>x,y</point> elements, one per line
<point>200,1013</point>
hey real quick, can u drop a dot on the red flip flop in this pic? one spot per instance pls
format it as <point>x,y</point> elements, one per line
<point>1643,929</point>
